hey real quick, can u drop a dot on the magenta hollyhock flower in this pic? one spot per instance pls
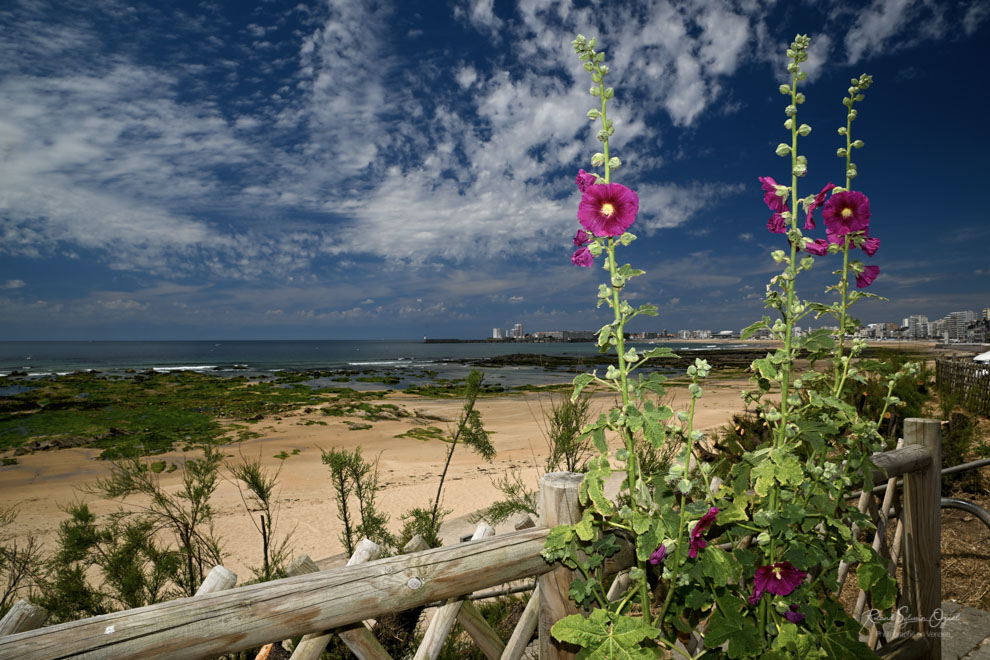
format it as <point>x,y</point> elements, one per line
<point>866,278</point>
<point>608,209</point>
<point>770,196</point>
<point>776,224</point>
<point>793,615</point>
<point>658,555</point>
<point>809,222</point>
<point>846,212</point>
<point>584,180</point>
<point>697,541</point>
<point>780,579</point>
<point>581,238</point>
<point>582,257</point>
<point>818,247</point>
<point>870,246</point>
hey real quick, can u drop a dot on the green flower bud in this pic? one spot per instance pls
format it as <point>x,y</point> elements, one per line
<point>600,57</point>
<point>841,152</point>
<point>604,69</point>
<point>595,91</point>
<point>858,144</point>
<point>618,281</point>
<point>783,149</point>
<point>592,42</point>
<point>790,53</point>
<point>851,173</point>
<point>790,110</point>
<point>785,89</point>
<point>609,92</point>
<point>589,67</point>
<point>789,124</point>
<point>842,130</point>
<point>627,238</point>
<point>604,291</point>
<point>622,455</point>
<point>804,129</point>
<point>598,159</point>
<point>595,248</point>
<point>778,256</point>
<point>802,75</point>
<point>593,114</point>
<point>596,77</point>
<point>852,115</point>
<point>800,169</point>
<point>847,102</point>
<point>602,135</point>
<point>792,67</point>
<point>614,163</point>
<point>860,97</point>
<point>799,98</point>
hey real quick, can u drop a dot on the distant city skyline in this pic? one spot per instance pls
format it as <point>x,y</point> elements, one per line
<point>341,169</point>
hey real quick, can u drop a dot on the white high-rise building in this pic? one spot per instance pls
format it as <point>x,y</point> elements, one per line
<point>517,331</point>
<point>917,326</point>
<point>498,333</point>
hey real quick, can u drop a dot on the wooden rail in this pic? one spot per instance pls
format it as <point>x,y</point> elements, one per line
<point>237,619</point>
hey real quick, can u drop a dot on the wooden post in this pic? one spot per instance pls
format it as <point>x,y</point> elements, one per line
<point>923,533</point>
<point>484,636</point>
<point>357,636</point>
<point>439,628</point>
<point>523,632</point>
<point>218,579</point>
<point>558,505</point>
<point>22,616</point>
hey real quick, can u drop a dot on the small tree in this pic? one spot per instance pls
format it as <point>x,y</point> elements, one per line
<point>351,474</point>
<point>19,563</point>
<point>256,486</point>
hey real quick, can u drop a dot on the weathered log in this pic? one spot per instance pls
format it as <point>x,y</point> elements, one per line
<point>218,579</point>
<point>485,638</point>
<point>922,552</point>
<point>357,637</point>
<point>21,617</point>
<point>250,616</point>
<point>523,632</point>
<point>443,620</point>
<point>558,505</point>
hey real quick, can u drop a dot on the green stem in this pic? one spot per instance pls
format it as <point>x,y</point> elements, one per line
<point>842,370</point>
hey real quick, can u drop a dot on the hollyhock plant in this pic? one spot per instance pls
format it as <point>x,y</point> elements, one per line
<point>817,247</point>
<point>582,257</point>
<point>870,246</point>
<point>608,209</point>
<point>581,238</point>
<point>846,212</point>
<point>584,180</point>
<point>793,615</point>
<point>809,222</point>
<point>658,555</point>
<point>698,542</point>
<point>770,196</point>
<point>866,278</point>
<point>779,579</point>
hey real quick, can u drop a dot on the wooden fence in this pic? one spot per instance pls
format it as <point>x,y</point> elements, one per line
<point>967,379</point>
<point>316,604</point>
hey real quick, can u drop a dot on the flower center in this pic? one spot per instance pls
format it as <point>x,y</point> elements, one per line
<point>776,572</point>
<point>847,213</point>
<point>607,209</point>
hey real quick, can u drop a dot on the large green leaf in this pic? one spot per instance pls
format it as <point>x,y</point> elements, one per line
<point>603,635</point>
<point>733,622</point>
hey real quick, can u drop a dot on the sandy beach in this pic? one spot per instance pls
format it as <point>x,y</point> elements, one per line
<point>42,483</point>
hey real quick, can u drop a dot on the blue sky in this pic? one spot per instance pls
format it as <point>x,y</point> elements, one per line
<point>341,169</point>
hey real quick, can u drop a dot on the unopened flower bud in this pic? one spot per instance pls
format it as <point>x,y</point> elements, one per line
<point>595,248</point>
<point>595,91</point>
<point>596,77</point>
<point>804,129</point>
<point>852,115</point>
<point>627,238</point>
<point>589,67</point>
<point>785,89</point>
<point>598,159</point>
<point>792,67</point>
<point>841,152</point>
<point>783,149</point>
<point>614,163</point>
<point>609,92</point>
<point>593,114</point>
<point>858,144</point>
<point>789,124</point>
<point>604,69</point>
<point>802,75</point>
<point>842,130</point>
<point>592,42</point>
<point>799,98</point>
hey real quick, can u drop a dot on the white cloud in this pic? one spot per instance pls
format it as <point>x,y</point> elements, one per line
<point>13,284</point>
<point>976,13</point>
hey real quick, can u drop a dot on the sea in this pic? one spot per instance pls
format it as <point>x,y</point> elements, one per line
<point>408,360</point>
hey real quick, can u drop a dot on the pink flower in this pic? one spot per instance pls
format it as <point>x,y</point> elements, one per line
<point>581,238</point>
<point>809,222</point>
<point>793,615</point>
<point>818,247</point>
<point>776,224</point>
<point>846,212</point>
<point>866,278</point>
<point>870,246</point>
<point>770,196</point>
<point>658,555</point>
<point>697,541</point>
<point>608,209</point>
<point>780,579</point>
<point>582,257</point>
<point>584,180</point>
